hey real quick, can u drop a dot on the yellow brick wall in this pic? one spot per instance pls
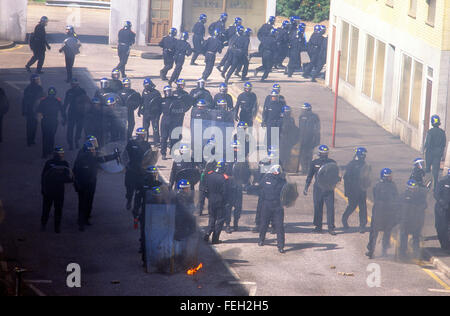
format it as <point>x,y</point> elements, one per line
<point>437,36</point>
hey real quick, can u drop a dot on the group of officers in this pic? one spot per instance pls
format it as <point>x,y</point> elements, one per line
<point>276,44</point>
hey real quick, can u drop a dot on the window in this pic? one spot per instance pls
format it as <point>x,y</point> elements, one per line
<point>412,8</point>
<point>431,12</point>
<point>411,91</point>
<point>349,53</point>
<point>374,69</point>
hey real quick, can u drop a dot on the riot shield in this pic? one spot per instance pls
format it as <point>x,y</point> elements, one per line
<point>364,176</point>
<point>150,158</point>
<point>117,165</point>
<point>193,175</point>
<point>328,176</point>
<point>289,194</point>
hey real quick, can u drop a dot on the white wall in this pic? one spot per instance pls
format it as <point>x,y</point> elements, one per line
<point>135,11</point>
<point>271,8</point>
<point>13,20</point>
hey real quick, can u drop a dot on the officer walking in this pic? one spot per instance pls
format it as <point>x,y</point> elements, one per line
<point>150,109</point>
<point>271,116</point>
<point>434,147</point>
<point>198,38</point>
<point>85,180</point>
<point>384,215</point>
<point>223,95</point>
<point>31,97</point>
<point>268,51</point>
<point>49,108</point>
<point>238,50</point>
<point>246,105</point>
<point>282,40</point>
<point>297,44</point>
<point>168,44</point>
<point>220,27</point>
<point>413,205</point>
<point>184,162</point>
<point>217,192</point>
<point>131,100</point>
<point>4,108</point>
<point>182,49</point>
<point>55,174</point>
<point>74,108</point>
<point>208,164</point>
<point>271,208</point>
<point>309,136</point>
<point>200,92</point>
<point>230,36</point>
<point>442,211</point>
<point>71,47</point>
<point>126,38</point>
<point>317,49</point>
<point>355,187</point>
<point>136,149</point>
<point>211,47</point>
<point>168,121</point>
<point>320,196</point>
<point>38,44</point>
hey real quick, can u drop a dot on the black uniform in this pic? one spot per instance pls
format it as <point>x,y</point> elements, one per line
<point>417,174</point>
<point>268,50</point>
<point>320,196</point>
<point>211,47</point>
<point>198,38</point>
<point>224,96</point>
<point>131,100</point>
<point>317,50</point>
<point>238,51</point>
<point>202,93</point>
<point>297,44</point>
<point>4,108</point>
<point>198,116</point>
<point>168,44</point>
<point>75,107</point>
<point>412,217</point>
<point>263,31</point>
<point>31,97</point>
<point>271,208</point>
<point>85,179</point>
<point>126,38</point>
<point>355,192</point>
<point>246,107</point>
<point>182,49</point>
<point>442,212</point>
<point>217,191</point>
<point>50,107</point>
<point>151,110</point>
<point>71,48</point>
<point>38,44</point>
<point>55,174</point>
<point>271,117</point>
<point>282,40</point>
<point>115,85</point>
<point>207,166</point>
<point>95,123</point>
<point>309,132</point>
<point>231,38</point>
<point>136,150</point>
<point>434,150</point>
<point>177,167</point>
<point>172,113</point>
<point>220,26</point>
<point>384,215</point>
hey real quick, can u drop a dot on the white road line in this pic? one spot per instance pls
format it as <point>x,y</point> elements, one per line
<point>439,290</point>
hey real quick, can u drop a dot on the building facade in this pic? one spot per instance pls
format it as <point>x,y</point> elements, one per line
<point>152,19</point>
<point>394,62</point>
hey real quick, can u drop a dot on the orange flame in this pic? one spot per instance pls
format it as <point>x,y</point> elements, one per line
<point>194,270</point>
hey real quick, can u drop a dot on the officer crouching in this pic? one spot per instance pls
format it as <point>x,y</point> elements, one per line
<point>271,209</point>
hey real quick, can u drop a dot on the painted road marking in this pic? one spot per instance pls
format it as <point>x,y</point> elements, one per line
<point>11,49</point>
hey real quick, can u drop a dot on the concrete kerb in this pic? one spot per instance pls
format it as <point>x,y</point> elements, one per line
<point>6,44</point>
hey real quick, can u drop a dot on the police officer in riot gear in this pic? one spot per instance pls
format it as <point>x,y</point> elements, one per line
<point>309,136</point>
<point>271,116</point>
<point>74,107</point>
<point>442,211</point>
<point>238,50</point>
<point>217,191</point>
<point>115,84</point>
<point>384,215</point>
<point>282,40</point>
<point>418,172</point>
<point>319,195</point>
<point>55,174</point>
<point>182,49</point>
<point>38,44</point>
<point>246,105</point>
<point>268,51</point>
<point>126,38</point>
<point>412,217</point>
<point>198,38</point>
<point>104,90</point>
<point>200,92</point>
<point>171,113</point>
<point>355,190</point>
<point>85,179</point>
<point>223,95</point>
<point>230,37</point>
<point>71,47</point>
<point>434,147</point>
<point>131,100</point>
<point>211,47</point>
<point>184,161</point>
<point>184,210</point>
<point>168,44</point>
<point>220,27</point>
<point>31,97</point>
<point>136,149</point>
<point>271,209</point>
<point>317,50</point>
<point>208,164</point>
<point>150,109</point>
<point>49,108</point>
<point>297,44</point>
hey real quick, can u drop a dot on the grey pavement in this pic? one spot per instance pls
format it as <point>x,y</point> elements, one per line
<point>313,264</point>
